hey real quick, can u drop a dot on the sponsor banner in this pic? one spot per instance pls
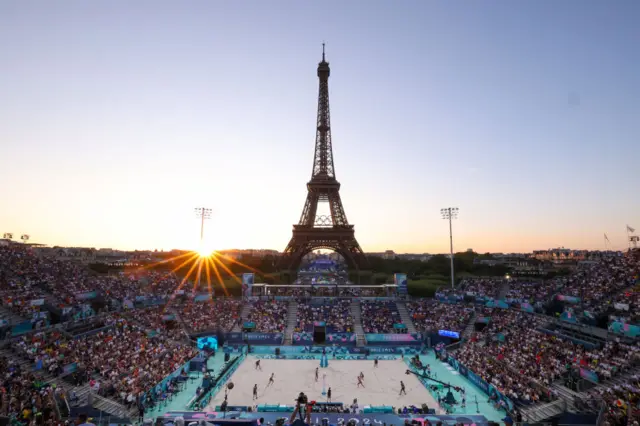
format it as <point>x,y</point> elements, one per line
<point>69,368</point>
<point>568,299</point>
<point>452,298</point>
<point>394,339</point>
<point>168,317</point>
<point>341,338</point>
<point>401,281</point>
<point>264,338</point>
<point>86,296</point>
<point>247,283</point>
<point>497,304</point>
<point>141,298</point>
<point>249,325</point>
<point>319,324</point>
<point>588,375</point>
<point>399,326</point>
<point>624,329</point>
<point>23,327</point>
<point>377,350</point>
<point>376,419</point>
<point>463,370</point>
<point>179,292</point>
<point>202,297</point>
<point>621,306</point>
<point>526,307</point>
<point>302,338</point>
<point>568,316</point>
<point>37,302</point>
<point>234,337</point>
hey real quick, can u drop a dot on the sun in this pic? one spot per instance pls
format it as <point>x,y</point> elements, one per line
<point>205,252</point>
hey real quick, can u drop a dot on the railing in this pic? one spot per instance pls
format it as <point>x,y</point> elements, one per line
<point>119,409</point>
<point>602,414</point>
<point>453,346</point>
<point>532,414</point>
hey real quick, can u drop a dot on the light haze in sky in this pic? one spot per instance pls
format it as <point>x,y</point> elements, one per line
<point>118,118</point>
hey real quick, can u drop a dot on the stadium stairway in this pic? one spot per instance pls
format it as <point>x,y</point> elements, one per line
<point>292,320</point>
<point>503,290</point>
<point>406,317</point>
<point>182,324</point>
<point>466,333</point>
<point>356,314</point>
<point>540,412</point>
<point>564,392</point>
<point>110,406</point>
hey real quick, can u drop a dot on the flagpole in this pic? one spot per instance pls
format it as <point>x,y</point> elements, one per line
<point>628,237</point>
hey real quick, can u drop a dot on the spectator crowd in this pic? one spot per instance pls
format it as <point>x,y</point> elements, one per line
<point>269,316</point>
<point>429,315</point>
<point>336,314</point>
<point>379,317</point>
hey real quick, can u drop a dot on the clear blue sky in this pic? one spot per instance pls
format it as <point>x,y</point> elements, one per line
<point>117,118</point>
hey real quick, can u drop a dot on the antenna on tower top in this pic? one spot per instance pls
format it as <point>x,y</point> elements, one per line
<point>323,52</point>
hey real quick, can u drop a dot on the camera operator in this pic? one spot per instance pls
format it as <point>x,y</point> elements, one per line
<point>302,405</point>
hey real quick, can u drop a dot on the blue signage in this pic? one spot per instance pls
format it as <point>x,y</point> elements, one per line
<point>209,342</point>
<point>249,419</point>
<point>447,333</point>
<point>264,338</point>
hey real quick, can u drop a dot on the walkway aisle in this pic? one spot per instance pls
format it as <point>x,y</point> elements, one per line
<point>181,399</point>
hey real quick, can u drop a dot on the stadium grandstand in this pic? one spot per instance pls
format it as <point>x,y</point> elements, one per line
<point>136,345</point>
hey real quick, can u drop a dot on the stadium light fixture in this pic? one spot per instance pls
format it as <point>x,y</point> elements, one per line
<point>449,214</point>
<point>203,213</point>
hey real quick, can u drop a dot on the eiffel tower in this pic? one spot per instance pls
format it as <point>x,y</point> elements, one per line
<point>331,231</point>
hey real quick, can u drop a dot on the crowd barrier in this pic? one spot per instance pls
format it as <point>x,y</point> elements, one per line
<point>478,381</point>
<point>200,401</point>
<point>255,338</point>
<point>249,419</point>
<point>409,339</point>
<point>162,386</point>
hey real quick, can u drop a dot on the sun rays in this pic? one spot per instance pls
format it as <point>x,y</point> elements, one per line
<point>205,267</point>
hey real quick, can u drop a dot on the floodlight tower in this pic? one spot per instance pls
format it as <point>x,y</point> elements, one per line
<point>203,213</point>
<point>449,214</point>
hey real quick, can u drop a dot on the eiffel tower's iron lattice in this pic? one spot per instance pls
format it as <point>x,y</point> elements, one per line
<point>331,231</point>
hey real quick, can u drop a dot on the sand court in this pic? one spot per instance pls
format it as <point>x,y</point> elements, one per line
<point>382,384</point>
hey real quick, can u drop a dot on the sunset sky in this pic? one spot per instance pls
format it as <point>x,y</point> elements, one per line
<point>118,118</point>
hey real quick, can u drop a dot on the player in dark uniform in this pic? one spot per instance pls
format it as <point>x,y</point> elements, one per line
<point>360,383</point>
<point>329,395</point>
<point>316,374</point>
<point>375,363</point>
<point>402,389</point>
<point>258,367</point>
<point>255,391</point>
<point>271,379</point>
